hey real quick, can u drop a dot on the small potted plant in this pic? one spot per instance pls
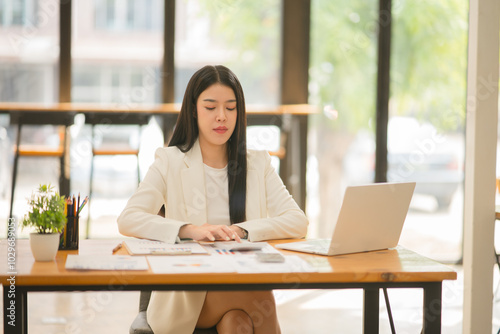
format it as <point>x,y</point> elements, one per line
<point>47,217</point>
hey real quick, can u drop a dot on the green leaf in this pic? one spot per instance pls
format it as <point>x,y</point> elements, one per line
<point>46,211</point>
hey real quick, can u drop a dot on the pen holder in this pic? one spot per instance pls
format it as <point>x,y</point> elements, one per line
<point>70,235</point>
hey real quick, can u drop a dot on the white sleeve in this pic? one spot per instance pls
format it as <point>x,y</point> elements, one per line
<point>140,217</point>
<point>284,217</point>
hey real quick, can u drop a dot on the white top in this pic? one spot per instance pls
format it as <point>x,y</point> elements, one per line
<point>216,187</point>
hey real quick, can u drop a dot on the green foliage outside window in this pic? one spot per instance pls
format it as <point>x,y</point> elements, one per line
<point>428,60</point>
<point>428,56</point>
<point>250,32</point>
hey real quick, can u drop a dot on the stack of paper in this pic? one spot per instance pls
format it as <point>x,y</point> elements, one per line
<point>238,248</point>
<point>229,264</point>
<point>188,264</point>
<point>106,262</point>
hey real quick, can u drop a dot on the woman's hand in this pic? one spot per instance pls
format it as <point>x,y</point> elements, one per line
<point>211,232</point>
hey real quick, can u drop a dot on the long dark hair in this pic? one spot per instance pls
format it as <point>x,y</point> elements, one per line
<point>186,132</point>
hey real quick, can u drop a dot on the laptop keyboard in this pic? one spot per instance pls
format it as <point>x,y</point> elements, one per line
<point>320,243</point>
<point>317,245</point>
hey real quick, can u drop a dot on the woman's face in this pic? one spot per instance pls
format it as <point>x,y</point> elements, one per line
<point>216,115</point>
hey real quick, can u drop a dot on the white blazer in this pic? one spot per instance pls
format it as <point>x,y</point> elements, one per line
<point>177,180</point>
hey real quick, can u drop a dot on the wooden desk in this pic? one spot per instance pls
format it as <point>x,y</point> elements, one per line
<point>291,119</point>
<point>395,268</point>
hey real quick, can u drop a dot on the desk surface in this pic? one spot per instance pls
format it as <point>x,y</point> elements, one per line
<point>166,108</point>
<point>394,265</point>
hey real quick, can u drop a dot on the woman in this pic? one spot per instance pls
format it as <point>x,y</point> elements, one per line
<point>212,189</point>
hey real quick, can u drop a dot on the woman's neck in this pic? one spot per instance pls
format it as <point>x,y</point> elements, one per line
<point>214,156</point>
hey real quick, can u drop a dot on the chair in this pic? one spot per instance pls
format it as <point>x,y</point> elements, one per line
<point>140,324</point>
<point>113,148</point>
<point>60,119</point>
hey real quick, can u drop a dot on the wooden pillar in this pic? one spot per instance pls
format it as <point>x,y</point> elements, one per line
<point>168,66</point>
<point>383,81</point>
<point>168,69</point>
<point>65,28</point>
<point>65,51</point>
<point>480,167</point>
<point>294,90</point>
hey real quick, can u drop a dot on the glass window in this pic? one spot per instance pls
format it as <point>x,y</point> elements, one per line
<point>117,51</point>
<point>242,35</point>
<point>426,109</point>
<point>342,81</point>
<point>29,45</point>
<point>427,121</point>
<point>129,15</point>
<point>18,12</point>
<point>29,52</point>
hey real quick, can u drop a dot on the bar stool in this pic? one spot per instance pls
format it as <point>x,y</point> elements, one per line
<point>110,120</point>
<point>281,152</point>
<point>63,120</point>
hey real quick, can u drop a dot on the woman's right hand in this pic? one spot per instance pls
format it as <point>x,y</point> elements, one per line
<point>208,232</point>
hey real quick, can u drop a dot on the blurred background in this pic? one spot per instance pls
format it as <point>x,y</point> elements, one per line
<point>117,57</point>
<point>117,50</point>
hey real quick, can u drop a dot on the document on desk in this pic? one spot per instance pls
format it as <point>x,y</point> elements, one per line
<point>106,262</point>
<point>238,248</point>
<point>227,264</point>
<point>292,264</point>
<point>193,264</point>
<point>151,247</point>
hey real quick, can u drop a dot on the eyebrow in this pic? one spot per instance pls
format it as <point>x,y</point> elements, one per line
<point>212,100</point>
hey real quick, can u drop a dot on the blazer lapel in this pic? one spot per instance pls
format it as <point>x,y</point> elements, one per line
<point>193,186</point>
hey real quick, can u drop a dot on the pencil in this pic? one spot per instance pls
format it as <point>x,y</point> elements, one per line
<point>69,224</point>
<point>75,225</point>
<point>70,207</point>
<point>74,206</point>
<point>65,227</point>
<point>117,248</point>
<point>85,200</point>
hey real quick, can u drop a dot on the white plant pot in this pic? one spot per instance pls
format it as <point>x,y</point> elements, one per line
<point>44,246</point>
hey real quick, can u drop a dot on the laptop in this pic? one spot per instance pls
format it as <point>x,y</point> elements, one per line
<point>371,218</point>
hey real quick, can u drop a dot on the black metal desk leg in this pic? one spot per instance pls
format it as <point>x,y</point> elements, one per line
<point>432,308</point>
<point>15,310</point>
<point>371,310</point>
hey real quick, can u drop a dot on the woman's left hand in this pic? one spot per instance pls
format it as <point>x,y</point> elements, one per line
<point>210,232</point>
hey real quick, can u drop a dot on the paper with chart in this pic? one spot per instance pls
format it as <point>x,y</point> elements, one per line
<point>250,265</point>
<point>151,247</point>
<point>193,264</point>
<point>225,264</point>
<point>106,262</point>
<point>238,248</point>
